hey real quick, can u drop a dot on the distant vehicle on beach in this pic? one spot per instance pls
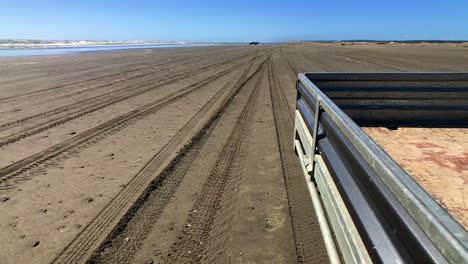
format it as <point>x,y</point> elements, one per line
<point>254,43</point>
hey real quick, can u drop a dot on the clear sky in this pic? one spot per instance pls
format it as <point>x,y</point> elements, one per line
<point>239,20</point>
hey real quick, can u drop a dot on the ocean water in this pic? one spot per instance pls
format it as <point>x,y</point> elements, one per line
<point>13,52</point>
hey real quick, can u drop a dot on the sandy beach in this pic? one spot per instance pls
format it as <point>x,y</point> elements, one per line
<point>176,154</point>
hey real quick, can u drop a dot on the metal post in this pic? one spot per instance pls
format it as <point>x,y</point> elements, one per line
<point>318,110</point>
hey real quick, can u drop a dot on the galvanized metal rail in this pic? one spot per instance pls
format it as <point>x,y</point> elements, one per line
<point>375,210</point>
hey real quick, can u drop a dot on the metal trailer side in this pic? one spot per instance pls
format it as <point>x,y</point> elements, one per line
<point>373,211</point>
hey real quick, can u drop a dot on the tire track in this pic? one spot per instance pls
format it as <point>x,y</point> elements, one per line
<point>122,244</point>
<point>51,89</point>
<point>324,66</point>
<point>283,95</point>
<point>191,245</point>
<point>218,248</point>
<point>63,72</point>
<point>61,150</point>
<point>178,60</point>
<point>139,221</point>
<point>80,249</point>
<point>292,68</point>
<point>404,66</point>
<point>149,86</point>
<point>90,100</point>
<point>87,64</point>
<point>308,238</point>
<point>393,64</point>
<point>368,61</point>
<point>106,94</point>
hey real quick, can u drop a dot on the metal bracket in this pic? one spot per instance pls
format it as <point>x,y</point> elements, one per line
<point>318,111</point>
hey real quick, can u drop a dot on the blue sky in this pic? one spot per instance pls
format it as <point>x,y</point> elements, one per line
<point>234,20</point>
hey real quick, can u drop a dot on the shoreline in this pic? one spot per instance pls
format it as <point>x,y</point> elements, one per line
<point>70,50</point>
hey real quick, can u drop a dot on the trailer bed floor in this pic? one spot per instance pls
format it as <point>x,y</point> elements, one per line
<point>437,158</point>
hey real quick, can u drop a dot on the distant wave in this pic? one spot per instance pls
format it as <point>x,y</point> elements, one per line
<point>22,44</point>
<point>96,47</point>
